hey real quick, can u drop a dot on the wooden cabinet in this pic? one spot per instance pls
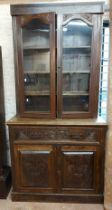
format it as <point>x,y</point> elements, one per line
<point>57,160</point>
<point>57,60</point>
<point>57,63</point>
<point>5,178</point>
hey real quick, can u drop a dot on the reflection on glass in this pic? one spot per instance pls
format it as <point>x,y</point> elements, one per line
<point>77,36</point>
<point>75,103</point>
<point>34,103</point>
<point>76,82</point>
<point>36,58</point>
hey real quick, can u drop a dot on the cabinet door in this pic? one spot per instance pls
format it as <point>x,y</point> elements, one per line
<point>81,169</point>
<point>34,168</point>
<point>35,64</point>
<point>79,65</point>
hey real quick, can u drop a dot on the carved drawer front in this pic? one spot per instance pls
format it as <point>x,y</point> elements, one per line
<point>77,133</point>
<point>81,169</point>
<point>87,134</point>
<point>34,166</point>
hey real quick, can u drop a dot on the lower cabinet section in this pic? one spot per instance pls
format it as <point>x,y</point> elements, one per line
<point>57,170</point>
<point>73,168</point>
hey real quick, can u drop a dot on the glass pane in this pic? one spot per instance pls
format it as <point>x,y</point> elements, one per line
<point>76,63</point>
<point>36,59</point>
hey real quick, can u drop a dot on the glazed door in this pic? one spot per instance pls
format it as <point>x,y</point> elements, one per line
<point>36,65</point>
<point>78,66</point>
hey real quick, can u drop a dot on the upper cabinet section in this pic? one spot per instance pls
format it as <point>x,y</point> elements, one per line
<point>57,59</point>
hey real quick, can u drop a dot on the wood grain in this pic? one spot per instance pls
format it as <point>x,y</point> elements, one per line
<point>48,162</point>
<point>9,205</point>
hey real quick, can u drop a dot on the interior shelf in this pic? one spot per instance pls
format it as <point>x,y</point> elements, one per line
<point>36,48</point>
<point>75,93</point>
<point>37,72</point>
<point>76,72</point>
<point>76,47</point>
<point>65,93</point>
<point>64,72</point>
<point>37,93</point>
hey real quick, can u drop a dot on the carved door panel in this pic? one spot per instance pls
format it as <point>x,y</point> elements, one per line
<point>35,167</point>
<point>81,169</point>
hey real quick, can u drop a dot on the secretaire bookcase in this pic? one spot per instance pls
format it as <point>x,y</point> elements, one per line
<point>57,141</point>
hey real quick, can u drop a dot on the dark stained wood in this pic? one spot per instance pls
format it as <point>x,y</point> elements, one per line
<point>19,65</point>
<point>77,171</point>
<point>76,134</point>
<point>94,73</point>
<point>79,7</point>
<point>72,158</point>
<point>4,170</point>
<point>59,65</point>
<point>17,120</point>
<point>53,64</point>
<point>76,198</point>
<point>96,52</point>
<point>56,53</point>
<point>81,169</point>
<point>57,160</point>
<point>35,167</point>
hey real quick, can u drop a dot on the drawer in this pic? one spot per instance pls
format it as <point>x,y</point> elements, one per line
<point>73,133</point>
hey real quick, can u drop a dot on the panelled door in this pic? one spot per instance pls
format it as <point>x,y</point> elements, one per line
<point>34,168</point>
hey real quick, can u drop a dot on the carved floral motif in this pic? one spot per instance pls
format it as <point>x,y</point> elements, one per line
<point>35,169</point>
<point>56,133</point>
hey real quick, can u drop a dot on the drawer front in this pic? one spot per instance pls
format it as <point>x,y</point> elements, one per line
<point>73,133</point>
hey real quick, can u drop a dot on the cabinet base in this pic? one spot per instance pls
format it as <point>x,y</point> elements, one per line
<point>5,182</point>
<point>78,198</point>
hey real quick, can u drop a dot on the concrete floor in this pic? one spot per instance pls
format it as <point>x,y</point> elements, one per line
<point>9,205</point>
